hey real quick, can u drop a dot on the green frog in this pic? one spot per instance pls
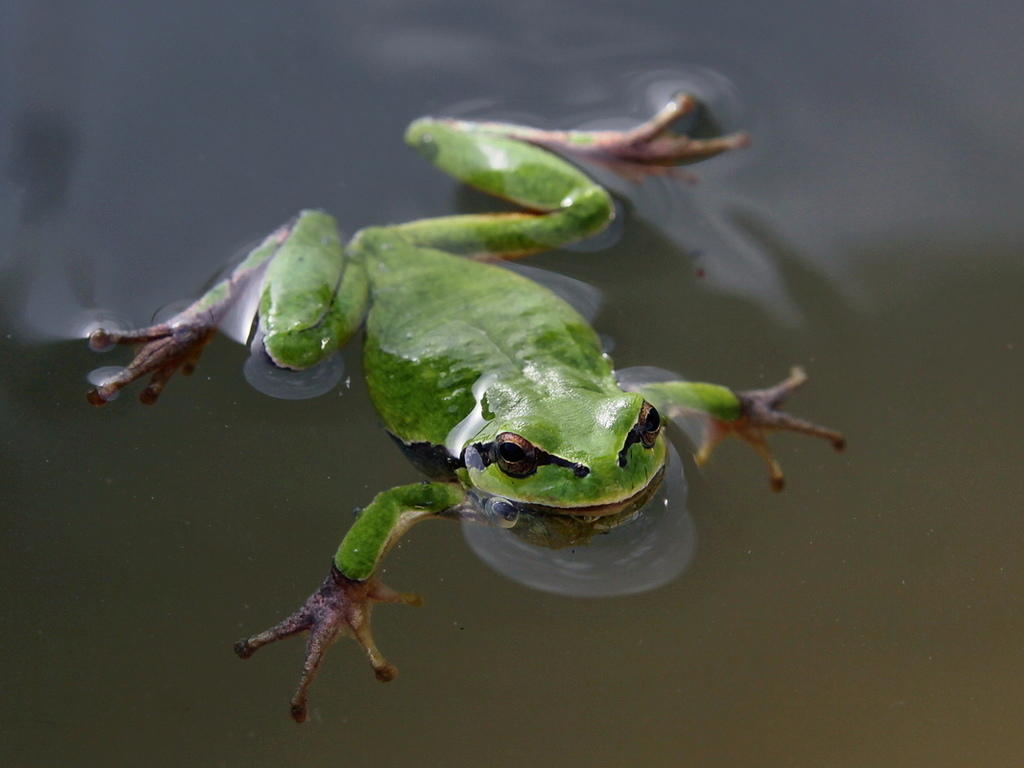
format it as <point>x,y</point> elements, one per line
<point>496,388</point>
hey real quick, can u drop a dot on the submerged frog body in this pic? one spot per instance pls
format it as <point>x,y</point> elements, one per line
<point>497,388</point>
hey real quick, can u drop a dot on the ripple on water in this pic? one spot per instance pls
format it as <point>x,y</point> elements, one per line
<point>286,384</point>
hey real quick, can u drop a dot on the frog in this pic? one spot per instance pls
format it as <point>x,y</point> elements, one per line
<point>496,388</point>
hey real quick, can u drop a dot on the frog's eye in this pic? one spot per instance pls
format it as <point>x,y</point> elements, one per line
<point>515,455</point>
<point>648,425</point>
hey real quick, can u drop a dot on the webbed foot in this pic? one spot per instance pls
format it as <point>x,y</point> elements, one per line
<point>760,414</point>
<point>162,350</point>
<point>340,606</point>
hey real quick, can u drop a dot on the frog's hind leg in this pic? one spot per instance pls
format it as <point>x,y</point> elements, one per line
<point>562,203</point>
<point>312,297</point>
<point>343,603</point>
<point>749,415</point>
<point>163,348</point>
<point>651,148</point>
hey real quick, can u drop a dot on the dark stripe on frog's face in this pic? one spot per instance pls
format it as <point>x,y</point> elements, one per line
<point>645,431</point>
<point>432,460</point>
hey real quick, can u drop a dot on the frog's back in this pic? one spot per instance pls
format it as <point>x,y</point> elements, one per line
<point>438,322</point>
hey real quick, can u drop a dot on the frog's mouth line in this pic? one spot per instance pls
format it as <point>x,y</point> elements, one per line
<point>625,506</point>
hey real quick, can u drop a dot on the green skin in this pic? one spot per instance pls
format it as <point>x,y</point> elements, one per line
<point>447,334</point>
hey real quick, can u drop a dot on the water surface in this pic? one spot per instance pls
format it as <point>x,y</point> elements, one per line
<point>869,615</point>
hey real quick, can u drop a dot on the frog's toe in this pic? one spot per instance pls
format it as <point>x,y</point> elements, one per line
<point>653,149</point>
<point>163,349</point>
<point>761,408</point>
<point>340,606</point>
<point>299,621</point>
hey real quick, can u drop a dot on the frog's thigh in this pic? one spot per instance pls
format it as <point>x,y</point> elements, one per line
<point>314,295</point>
<point>565,204</point>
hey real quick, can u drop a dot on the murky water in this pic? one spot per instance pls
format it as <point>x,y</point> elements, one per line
<point>870,615</point>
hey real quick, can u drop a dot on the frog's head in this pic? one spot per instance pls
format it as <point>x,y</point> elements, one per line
<point>566,450</point>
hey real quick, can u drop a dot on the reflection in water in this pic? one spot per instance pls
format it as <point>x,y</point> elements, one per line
<point>696,215</point>
<point>43,153</point>
<point>633,551</point>
<point>286,384</point>
<point>51,311</point>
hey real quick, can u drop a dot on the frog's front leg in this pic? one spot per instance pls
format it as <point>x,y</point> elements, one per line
<point>748,415</point>
<point>312,298</point>
<point>343,602</point>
